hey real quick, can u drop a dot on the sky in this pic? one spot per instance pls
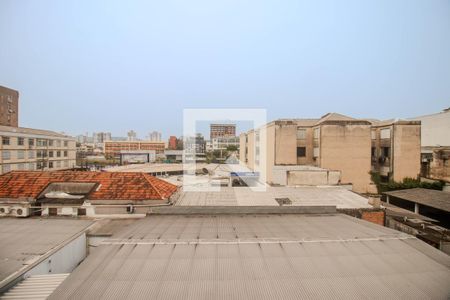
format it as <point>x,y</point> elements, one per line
<point>109,65</point>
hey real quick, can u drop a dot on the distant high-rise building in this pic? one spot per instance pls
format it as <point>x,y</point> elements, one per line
<point>101,137</point>
<point>132,136</point>
<point>9,107</point>
<point>173,142</point>
<point>155,136</point>
<point>222,130</point>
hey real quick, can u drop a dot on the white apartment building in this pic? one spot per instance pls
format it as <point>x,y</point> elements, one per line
<point>35,149</point>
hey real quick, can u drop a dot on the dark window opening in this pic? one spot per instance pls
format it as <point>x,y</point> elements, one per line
<point>301,151</point>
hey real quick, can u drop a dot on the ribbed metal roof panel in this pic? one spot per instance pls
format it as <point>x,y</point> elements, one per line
<point>269,257</point>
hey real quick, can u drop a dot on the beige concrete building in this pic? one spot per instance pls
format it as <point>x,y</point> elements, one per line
<point>395,152</point>
<point>113,148</point>
<point>334,149</point>
<point>9,107</point>
<point>435,143</point>
<point>34,149</point>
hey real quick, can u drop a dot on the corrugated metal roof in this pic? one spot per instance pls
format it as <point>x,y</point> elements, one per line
<point>35,287</point>
<point>259,257</point>
<point>24,241</point>
<point>431,198</point>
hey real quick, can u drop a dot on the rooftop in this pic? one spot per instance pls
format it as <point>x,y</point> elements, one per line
<point>24,241</point>
<point>31,131</point>
<point>110,185</point>
<point>298,196</point>
<point>432,198</point>
<point>259,257</point>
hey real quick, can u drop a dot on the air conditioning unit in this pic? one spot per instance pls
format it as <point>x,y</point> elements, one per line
<point>4,210</point>
<point>20,212</point>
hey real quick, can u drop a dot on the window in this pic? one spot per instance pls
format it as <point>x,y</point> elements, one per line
<point>373,151</point>
<point>41,143</point>
<point>58,153</point>
<point>42,153</point>
<point>50,153</point>
<point>66,143</point>
<point>5,140</point>
<point>386,151</point>
<point>20,154</point>
<point>316,133</point>
<point>6,168</point>
<point>50,143</point>
<point>31,166</point>
<point>21,166</point>
<point>301,134</point>
<point>58,143</point>
<point>50,164</point>
<point>316,152</point>
<point>6,155</point>
<point>20,141</point>
<point>30,142</point>
<point>31,154</point>
<point>385,133</point>
<point>65,153</point>
<point>301,151</point>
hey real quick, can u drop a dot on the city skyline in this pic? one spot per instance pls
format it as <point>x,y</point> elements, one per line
<point>123,66</point>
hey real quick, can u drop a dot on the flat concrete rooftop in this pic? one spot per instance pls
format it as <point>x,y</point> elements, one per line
<point>24,241</point>
<point>259,257</point>
<point>299,196</point>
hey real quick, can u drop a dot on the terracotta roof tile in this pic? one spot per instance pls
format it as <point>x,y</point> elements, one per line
<point>112,185</point>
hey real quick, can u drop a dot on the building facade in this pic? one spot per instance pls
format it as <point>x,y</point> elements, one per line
<point>131,135</point>
<point>435,145</point>
<point>154,136</point>
<point>33,149</point>
<point>172,145</point>
<point>9,107</point>
<point>395,150</point>
<point>112,149</point>
<point>101,137</point>
<point>334,148</point>
<point>222,143</point>
<point>222,130</point>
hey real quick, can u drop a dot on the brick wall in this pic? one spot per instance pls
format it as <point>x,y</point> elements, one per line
<point>376,217</point>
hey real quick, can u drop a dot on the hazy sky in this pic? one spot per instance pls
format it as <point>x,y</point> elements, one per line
<point>118,65</point>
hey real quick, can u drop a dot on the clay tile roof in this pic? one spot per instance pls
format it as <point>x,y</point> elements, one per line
<point>111,185</point>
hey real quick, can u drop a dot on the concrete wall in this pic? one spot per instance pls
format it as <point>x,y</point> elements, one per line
<point>323,177</point>
<point>270,152</point>
<point>251,150</point>
<point>242,145</point>
<point>309,145</point>
<point>406,151</point>
<point>9,107</point>
<point>285,144</point>
<point>346,148</point>
<point>435,129</point>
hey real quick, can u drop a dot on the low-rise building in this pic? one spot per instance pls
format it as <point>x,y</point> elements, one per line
<point>112,148</point>
<point>75,193</point>
<point>35,149</point>
<point>435,143</point>
<point>395,152</point>
<point>174,156</point>
<point>137,156</point>
<point>336,143</point>
<point>222,143</point>
<point>222,130</point>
